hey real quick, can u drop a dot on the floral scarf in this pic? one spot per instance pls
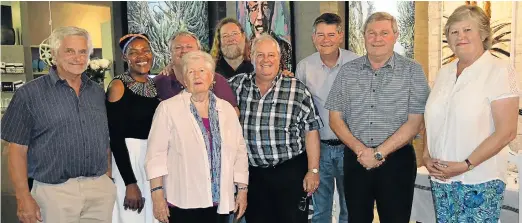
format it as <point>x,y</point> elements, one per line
<point>214,156</point>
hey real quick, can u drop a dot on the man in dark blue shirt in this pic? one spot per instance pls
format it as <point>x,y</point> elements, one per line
<point>59,123</point>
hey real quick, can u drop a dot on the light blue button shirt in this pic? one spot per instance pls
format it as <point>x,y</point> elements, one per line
<point>319,79</point>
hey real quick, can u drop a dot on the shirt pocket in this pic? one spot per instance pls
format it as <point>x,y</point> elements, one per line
<point>393,96</point>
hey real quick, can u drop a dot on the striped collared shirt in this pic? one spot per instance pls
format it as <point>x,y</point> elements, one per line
<point>375,103</point>
<point>67,135</point>
<point>275,124</point>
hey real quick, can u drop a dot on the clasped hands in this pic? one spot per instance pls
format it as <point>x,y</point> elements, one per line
<point>444,170</point>
<point>367,159</point>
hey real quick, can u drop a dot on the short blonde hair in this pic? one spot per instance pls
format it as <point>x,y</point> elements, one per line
<point>196,55</point>
<point>475,14</point>
<point>184,33</point>
<point>57,36</point>
<point>381,16</point>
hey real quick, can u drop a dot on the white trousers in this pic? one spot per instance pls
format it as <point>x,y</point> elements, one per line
<point>137,150</point>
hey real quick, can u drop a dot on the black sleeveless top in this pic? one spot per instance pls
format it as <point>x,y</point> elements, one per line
<point>130,117</point>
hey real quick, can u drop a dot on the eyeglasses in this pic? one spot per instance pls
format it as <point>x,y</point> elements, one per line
<point>229,36</point>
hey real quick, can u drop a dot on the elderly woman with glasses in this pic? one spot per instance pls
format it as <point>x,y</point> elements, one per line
<point>471,115</point>
<point>196,151</point>
<point>131,102</point>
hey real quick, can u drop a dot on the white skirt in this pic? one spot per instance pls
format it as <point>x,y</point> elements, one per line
<point>137,150</point>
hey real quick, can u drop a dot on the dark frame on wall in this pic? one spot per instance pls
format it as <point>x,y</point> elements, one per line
<point>346,24</point>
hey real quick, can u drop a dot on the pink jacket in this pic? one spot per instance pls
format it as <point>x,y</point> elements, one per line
<point>176,151</point>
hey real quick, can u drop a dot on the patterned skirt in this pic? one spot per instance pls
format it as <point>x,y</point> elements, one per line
<point>458,202</point>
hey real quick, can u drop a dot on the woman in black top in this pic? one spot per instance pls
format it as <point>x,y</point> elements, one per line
<point>131,103</point>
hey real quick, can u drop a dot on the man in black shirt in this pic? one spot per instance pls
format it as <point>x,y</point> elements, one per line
<point>229,49</point>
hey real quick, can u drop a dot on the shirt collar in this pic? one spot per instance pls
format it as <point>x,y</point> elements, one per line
<point>252,77</point>
<point>53,74</point>
<point>338,63</point>
<point>390,62</point>
<point>486,56</point>
<point>185,95</point>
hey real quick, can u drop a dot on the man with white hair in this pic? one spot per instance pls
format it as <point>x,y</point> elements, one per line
<point>280,125</point>
<point>58,122</point>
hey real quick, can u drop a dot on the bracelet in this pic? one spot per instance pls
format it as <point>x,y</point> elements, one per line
<point>156,188</point>
<point>242,188</point>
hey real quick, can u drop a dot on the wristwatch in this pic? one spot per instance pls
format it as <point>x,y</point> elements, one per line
<point>378,155</point>
<point>314,170</point>
<point>470,165</point>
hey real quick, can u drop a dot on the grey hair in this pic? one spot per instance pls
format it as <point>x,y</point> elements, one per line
<point>57,36</point>
<point>475,14</point>
<point>196,55</point>
<point>381,16</point>
<point>184,33</point>
<point>262,38</point>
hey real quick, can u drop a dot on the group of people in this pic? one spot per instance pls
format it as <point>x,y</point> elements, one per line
<point>232,133</point>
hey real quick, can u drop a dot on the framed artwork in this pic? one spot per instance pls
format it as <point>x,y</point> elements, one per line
<point>359,11</point>
<point>160,20</point>
<point>500,14</point>
<point>271,17</point>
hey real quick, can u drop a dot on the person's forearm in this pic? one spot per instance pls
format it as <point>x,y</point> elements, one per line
<point>403,135</point>
<point>313,149</point>
<point>343,133</point>
<point>17,162</point>
<point>156,182</point>
<point>490,147</point>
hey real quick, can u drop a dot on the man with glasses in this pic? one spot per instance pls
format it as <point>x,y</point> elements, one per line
<point>229,49</point>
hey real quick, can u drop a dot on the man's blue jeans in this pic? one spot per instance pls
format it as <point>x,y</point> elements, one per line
<point>331,173</point>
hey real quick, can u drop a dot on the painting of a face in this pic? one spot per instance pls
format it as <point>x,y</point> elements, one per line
<point>269,17</point>
<point>259,13</point>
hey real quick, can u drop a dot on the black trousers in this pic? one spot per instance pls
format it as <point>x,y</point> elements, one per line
<point>196,215</point>
<point>275,194</point>
<point>390,186</point>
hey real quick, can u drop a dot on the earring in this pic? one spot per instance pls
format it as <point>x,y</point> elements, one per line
<point>212,85</point>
